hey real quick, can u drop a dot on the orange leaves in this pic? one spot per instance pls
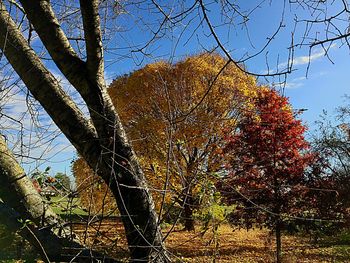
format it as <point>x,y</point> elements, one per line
<point>94,194</point>
<point>175,115</point>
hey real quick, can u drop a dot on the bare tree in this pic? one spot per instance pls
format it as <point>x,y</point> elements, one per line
<point>101,141</point>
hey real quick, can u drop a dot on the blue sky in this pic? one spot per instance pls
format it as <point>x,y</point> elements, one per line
<point>321,89</point>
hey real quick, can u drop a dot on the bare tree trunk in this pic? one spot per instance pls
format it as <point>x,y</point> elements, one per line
<point>188,210</point>
<point>188,216</point>
<point>18,192</point>
<point>102,143</point>
<point>189,200</point>
<point>278,242</point>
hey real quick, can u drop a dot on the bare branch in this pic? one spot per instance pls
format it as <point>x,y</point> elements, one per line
<point>92,32</point>
<point>42,84</point>
<point>228,55</point>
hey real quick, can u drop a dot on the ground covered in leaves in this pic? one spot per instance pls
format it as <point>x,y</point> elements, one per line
<point>251,246</point>
<point>224,245</point>
<point>228,245</point>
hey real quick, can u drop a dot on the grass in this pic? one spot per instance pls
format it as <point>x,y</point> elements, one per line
<point>63,206</point>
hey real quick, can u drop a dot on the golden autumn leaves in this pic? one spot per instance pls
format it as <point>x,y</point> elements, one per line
<point>177,117</point>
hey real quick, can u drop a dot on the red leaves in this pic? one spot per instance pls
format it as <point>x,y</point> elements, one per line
<point>268,157</point>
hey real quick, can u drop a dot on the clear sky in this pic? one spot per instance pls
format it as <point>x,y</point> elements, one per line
<point>320,88</point>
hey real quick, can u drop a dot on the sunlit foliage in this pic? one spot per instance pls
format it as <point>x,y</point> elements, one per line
<point>93,193</point>
<point>175,115</point>
<point>268,157</point>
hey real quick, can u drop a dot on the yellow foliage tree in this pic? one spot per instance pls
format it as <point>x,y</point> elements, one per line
<point>94,194</point>
<point>175,115</point>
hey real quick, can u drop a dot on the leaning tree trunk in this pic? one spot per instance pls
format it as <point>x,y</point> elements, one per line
<point>50,246</point>
<point>46,231</point>
<point>101,142</point>
<point>18,192</point>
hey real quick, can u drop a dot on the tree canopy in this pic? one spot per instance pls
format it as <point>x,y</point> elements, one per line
<point>268,157</point>
<point>176,123</point>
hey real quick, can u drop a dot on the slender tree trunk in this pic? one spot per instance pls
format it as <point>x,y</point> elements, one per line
<point>278,241</point>
<point>188,214</point>
<point>188,205</point>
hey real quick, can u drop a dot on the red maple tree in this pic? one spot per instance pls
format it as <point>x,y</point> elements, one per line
<point>268,156</point>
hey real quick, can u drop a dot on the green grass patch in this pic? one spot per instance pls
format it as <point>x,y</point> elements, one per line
<point>65,206</point>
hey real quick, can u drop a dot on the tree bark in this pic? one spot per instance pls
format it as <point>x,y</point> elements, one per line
<point>188,215</point>
<point>50,246</point>
<point>18,192</point>
<point>103,144</point>
<point>278,242</point>
<point>189,199</point>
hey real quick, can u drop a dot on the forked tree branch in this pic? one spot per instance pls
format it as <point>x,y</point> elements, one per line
<point>44,87</point>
